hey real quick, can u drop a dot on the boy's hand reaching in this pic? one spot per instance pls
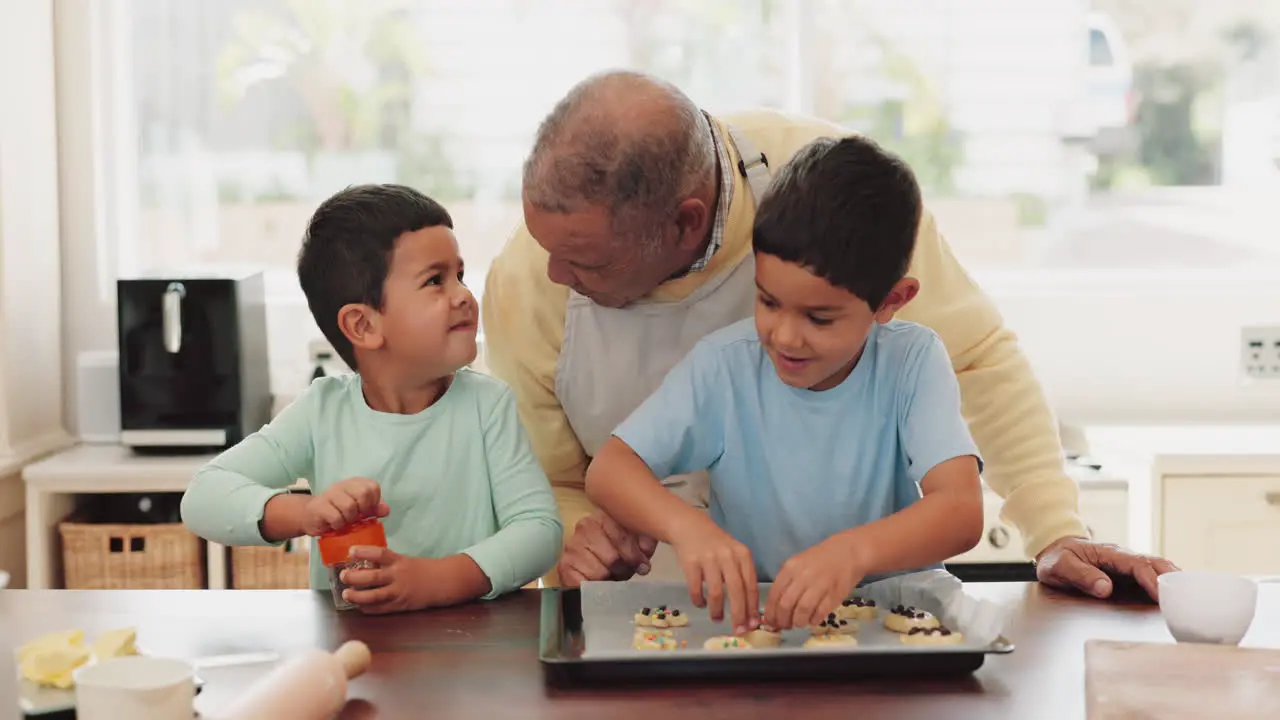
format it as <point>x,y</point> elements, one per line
<point>712,557</point>
<point>813,583</point>
<point>342,504</point>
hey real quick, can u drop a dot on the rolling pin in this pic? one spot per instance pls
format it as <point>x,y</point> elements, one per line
<point>309,686</point>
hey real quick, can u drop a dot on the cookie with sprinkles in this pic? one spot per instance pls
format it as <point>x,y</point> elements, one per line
<point>726,642</point>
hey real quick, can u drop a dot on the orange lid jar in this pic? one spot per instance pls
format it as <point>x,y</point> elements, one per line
<point>335,551</point>
<point>335,547</point>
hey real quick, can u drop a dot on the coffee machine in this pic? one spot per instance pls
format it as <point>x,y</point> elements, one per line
<point>193,361</point>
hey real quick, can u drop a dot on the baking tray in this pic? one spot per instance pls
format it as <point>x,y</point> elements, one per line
<point>594,646</point>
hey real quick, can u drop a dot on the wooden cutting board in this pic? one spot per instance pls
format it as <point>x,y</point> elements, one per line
<point>1127,681</point>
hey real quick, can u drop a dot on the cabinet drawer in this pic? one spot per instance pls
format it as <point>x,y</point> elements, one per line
<point>1229,523</point>
<point>1106,514</point>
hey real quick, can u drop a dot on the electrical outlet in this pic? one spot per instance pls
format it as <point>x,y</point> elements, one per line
<point>1260,351</point>
<point>319,350</point>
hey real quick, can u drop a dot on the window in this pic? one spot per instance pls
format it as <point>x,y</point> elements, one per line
<point>261,108</point>
<point>1099,49</point>
<point>1067,150</point>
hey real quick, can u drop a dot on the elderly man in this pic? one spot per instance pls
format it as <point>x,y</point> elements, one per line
<point>636,242</point>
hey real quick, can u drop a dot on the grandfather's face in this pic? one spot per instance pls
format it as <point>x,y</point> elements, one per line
<point>588,256</point>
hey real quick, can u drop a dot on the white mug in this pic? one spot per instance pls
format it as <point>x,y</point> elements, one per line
<point>136,687</point>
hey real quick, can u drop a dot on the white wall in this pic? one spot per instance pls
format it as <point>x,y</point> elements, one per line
<point>1146,351</point>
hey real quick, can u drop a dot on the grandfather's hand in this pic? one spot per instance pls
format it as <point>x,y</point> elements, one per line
<point>1080,564</point>
<point>600,549</point>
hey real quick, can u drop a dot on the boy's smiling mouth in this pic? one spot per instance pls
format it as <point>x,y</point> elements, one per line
<point>791,363</point>
<point>468,324</point>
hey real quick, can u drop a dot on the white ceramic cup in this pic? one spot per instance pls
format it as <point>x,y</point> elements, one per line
<point>1207,607</point>
<point>136,687</point>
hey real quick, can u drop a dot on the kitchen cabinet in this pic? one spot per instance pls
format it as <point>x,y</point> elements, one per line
<point>1104,506</point>
<point>1218,513</point>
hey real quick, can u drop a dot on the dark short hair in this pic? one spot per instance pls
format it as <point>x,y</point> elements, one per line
<point>846,210</point>
<point>346,251</point>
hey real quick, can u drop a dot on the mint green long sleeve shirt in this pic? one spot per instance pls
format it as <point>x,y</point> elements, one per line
<point>459,477</point>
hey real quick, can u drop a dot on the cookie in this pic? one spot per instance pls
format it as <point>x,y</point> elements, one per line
<point>644,618</point>
<point>932,636</point>
<point>763,636</point>
<point>830,640</point>
<point>834,625</point>
<point>901,619</point>
<point>857,608</point>
<point>648,640</point>
<point>668,618</point>
<point>726,642</point>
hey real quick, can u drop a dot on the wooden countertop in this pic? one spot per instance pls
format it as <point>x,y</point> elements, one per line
<point>481,660</point>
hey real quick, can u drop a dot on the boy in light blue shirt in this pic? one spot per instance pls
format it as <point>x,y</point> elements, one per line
<point>412,437</point>
<point>832,433</point>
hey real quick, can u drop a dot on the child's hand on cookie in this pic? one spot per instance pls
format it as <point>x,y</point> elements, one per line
<point>813,583</point>
<point>711,557</point>
<point>342,504</point>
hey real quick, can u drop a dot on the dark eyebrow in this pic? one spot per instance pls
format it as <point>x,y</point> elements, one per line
<point>814,309</point>
<point>438,266</point>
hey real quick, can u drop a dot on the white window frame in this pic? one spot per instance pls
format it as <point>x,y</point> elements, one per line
<point>31,422</point>
<point>1110,346</point>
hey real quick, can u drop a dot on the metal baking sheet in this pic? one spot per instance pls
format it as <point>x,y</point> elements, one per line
<point>587,636</point>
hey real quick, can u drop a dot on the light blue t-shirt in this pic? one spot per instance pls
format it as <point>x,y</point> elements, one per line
<point>459,476</point>
<point>789,467</point>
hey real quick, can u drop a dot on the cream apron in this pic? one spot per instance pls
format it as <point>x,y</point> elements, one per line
<point>614,358</point>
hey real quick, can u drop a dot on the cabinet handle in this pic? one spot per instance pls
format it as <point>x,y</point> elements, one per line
<point>1273,498</point>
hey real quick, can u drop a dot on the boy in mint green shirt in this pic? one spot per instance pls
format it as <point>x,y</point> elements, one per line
<point>413,437</point>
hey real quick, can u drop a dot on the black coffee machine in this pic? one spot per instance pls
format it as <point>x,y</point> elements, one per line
<point>193,361</point>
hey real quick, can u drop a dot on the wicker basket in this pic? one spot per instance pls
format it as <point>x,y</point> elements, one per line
<point>271,568</point>
<point>118,557</point>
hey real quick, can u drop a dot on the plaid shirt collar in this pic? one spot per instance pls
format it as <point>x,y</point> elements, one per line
<point>726,195</point>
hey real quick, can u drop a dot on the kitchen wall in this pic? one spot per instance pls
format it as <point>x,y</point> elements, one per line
<point>1147,352</point>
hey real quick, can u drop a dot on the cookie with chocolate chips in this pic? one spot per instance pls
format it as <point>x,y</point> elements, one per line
<point>932,636</point>
<point>831,641</point>
<point>644,618</point>
<point>901,619</point>
<point>857,608</point>
<point>669,617</point>
<point>833,623</point>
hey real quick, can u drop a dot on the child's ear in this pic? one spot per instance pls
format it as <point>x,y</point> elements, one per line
<point>362,325</point>
<point>901,294</point>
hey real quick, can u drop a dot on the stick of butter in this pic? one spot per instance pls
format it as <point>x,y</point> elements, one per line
<point>51,659</point>
<point>64,638</point>
<point>54,665</point>
<point>115,643</point>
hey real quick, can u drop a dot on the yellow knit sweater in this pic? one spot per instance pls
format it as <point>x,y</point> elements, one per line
<point>1007,412</point>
